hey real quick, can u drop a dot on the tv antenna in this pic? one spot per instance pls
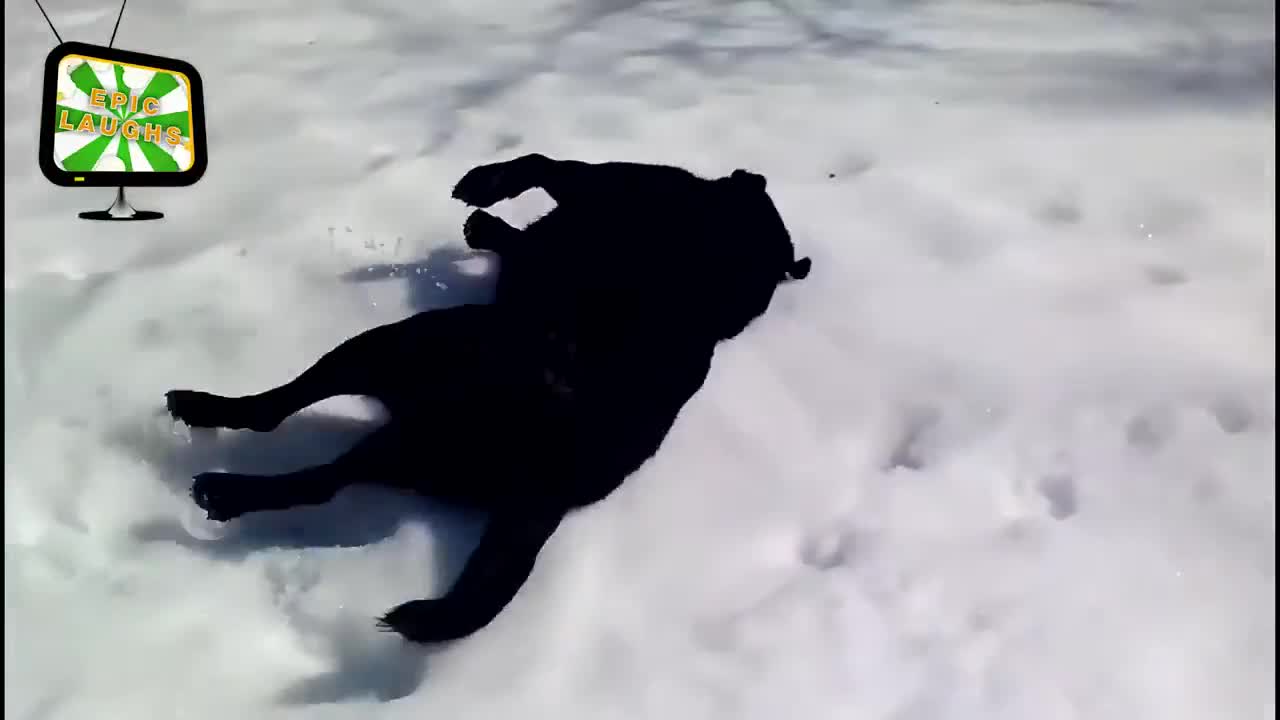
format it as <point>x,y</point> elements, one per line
<point>120,210</point>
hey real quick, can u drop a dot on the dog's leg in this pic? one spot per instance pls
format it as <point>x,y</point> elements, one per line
<point>493,575</point>
<point>486,185</point>
<point>226,496</point>
<point>334,374</point>
<point>366,364</point>
<point>376,458</point>
<point>566,181</point>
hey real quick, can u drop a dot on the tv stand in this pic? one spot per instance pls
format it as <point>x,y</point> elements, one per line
<point>121,210</point>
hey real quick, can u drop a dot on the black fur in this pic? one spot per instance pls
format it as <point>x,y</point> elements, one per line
<point>607,315</point>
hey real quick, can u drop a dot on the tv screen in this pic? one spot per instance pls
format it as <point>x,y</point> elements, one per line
<point>119,118</point>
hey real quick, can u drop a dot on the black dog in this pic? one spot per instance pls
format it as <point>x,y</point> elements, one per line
<point>549,398</point>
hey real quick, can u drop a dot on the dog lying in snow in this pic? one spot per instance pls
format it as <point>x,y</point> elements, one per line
<point>607,315</point>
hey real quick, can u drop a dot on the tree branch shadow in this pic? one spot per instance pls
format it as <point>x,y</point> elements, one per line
<point>1208,69</point>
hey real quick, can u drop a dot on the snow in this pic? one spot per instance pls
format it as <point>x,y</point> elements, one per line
<point>1007,454</point>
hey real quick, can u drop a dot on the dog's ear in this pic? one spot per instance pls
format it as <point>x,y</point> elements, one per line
<point>749,179</point>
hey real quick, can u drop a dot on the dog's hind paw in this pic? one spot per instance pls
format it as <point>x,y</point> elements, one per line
<point>197,409</point>
<point>223,496</point>
<point>417,621</point>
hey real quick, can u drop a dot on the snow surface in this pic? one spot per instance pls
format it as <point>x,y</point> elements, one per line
<point>1007,454</point>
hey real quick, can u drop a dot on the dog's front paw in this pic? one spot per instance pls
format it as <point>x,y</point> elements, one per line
<point>487,185</point>
<point>483,231</point>
<point>223,496</point>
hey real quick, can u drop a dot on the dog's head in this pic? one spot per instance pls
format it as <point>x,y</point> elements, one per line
<point>748,253</point>
<point>757,227</point>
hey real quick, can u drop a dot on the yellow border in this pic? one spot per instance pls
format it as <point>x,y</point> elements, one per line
<point>191,145</point>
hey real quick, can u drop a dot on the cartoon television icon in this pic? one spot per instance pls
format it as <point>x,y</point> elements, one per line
<point>116,118</point>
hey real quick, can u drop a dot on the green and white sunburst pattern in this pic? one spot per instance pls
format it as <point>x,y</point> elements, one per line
<point>78,150</point>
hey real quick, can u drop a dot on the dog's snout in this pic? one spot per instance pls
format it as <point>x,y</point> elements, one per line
<point>799,269</point>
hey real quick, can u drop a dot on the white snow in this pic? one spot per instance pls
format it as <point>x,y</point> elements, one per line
<point>1007,454</point>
